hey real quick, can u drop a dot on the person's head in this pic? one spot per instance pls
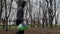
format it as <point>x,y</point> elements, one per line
<point>21,4</point>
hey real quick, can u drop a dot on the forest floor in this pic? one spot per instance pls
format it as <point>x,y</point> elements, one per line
<point>34,30</point>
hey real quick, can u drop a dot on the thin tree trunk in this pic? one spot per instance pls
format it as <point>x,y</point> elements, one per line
<point>27,12</point>
<point>6,15</point>
<point>10,10</point>
<point>50,14</point>
<point>1,9</point>
<point>43,19</point>
<point>55,12</point>
<point>46,15</point>
<point>34,20</point>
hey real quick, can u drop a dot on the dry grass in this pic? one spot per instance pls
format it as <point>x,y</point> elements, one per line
<point>45,30</point>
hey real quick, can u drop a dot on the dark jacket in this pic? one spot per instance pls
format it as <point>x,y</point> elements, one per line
<point>20,12</point>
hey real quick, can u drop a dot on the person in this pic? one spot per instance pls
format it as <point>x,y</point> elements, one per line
<point>20,15</point>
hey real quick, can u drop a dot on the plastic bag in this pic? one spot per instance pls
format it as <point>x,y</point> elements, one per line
<point>22,27</point>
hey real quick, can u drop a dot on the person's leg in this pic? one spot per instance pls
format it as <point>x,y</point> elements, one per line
<point>18,32</point>
<point>21,32</point>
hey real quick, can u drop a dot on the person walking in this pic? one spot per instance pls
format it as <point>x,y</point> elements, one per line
<point>20,15</point>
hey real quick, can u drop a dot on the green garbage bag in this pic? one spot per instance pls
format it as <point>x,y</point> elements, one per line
<point>21,27</point>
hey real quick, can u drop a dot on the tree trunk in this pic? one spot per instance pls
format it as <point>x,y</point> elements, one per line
<point>1,9</point>
<point>6,15</point>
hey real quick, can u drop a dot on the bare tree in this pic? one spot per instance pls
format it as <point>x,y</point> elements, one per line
<point>55,12</point>
<point>27,12</point>
<point>6,14</point>
<point>51,15</point>
<point>46,14</point>
<point>43,19</point>
<point>1,8</point>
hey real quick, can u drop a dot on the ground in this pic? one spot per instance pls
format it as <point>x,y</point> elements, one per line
<point>35,30</point>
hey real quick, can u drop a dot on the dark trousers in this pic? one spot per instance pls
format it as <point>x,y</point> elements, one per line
<point>20,32</point>
<point>17,23</point>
